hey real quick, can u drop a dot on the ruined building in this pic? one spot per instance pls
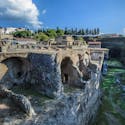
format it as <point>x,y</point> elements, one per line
<point>69,78</point>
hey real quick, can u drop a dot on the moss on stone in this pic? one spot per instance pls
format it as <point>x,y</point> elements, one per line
<point>69,89</point>
<point>114,62</point>
<point>112,103</point>
<point>30,93</point>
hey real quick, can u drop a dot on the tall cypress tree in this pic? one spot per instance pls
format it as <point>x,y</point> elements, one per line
<point>83,32</point>
<point>98,30</point>
<point>66,31</point>
<point>87,31</point>
<point>95,32</point>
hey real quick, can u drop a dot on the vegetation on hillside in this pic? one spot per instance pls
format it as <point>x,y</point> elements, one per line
<point>112,110</point>
<point>81,40</point>
<point>24,34</point>
<point>72,31</point>
<point>41,37</point>
<point>46,34</point>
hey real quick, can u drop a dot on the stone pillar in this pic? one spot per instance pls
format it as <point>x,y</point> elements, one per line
<point>46,74</point>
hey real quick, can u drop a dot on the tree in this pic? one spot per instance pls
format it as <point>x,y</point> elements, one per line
<point>76,31</point>
<point>51,33</point>
<point>69,31</point>
<point>59,32</point>
<point>90,38</point>
<point>95,31</point>
<point>66,31</point>
<point>82,40</point>
<point>39,30</point>
<point>83,32</point>
<point>41,37</point>
<point>24,34</point>
<point>72,30</point>
<point>79,38</point>
<point>87,31</point>
<point>80,32</point>
<point>90,31</point>
<point>98,30</point>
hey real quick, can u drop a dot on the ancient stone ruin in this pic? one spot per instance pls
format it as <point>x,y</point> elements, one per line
<point>50,73</point>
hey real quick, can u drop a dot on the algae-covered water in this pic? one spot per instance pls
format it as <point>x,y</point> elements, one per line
<point>112,110</point>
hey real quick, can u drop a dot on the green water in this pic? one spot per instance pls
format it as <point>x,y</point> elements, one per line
<point>112,110</point>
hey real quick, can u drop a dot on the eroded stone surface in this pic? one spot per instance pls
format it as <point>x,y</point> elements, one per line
<point>18,99</point>
<point>46,73</point>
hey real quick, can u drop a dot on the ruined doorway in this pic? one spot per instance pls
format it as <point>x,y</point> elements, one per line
<point>17,70</point>
<point>66,70</point>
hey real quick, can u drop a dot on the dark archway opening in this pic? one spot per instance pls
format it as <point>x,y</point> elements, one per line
<point>0,49</point>
<point>66,71</point>
<point>17,72</point>
<point>65,79</point>
<point>16,67</point>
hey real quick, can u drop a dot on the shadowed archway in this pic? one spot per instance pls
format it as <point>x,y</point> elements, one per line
<point>66,70</point>
<point>15,70</point>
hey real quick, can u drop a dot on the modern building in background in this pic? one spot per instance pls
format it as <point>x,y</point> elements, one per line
<point>10,30</point>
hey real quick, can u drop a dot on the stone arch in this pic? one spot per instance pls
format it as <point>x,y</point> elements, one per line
<point>66,66</point>
<point>70,73</point>
<point>4,56</point>
<point>17,70</point>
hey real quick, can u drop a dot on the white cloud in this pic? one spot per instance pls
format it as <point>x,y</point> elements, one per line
<point>20,10</point>
<point>44,11</point>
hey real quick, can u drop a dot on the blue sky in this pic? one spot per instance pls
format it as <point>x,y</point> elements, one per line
<point>108,15</point>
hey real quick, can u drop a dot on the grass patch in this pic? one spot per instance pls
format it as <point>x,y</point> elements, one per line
<point>69,89</point>
<point>31,93</point>
<point>114,62</point>
<point>112,95</point>
<point>26,92</point>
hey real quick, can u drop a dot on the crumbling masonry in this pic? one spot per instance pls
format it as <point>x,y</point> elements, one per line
<point>48,72</point>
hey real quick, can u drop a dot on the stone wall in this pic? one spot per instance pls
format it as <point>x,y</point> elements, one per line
<point>78,107</point>
<point>116,47</point>
<point>46,74</point>
<point>43,72</point>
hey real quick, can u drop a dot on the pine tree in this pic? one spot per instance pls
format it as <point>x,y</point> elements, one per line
<point>76,32</point>
<point>95,32</point>
<point>66,31</point>
<point>92,32</point>
<point>83,32</point>
<point>98,30</point>
<point>86,31</point>
<point>79,32</point>
<point>57,29</point>
<point>72,31</point>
